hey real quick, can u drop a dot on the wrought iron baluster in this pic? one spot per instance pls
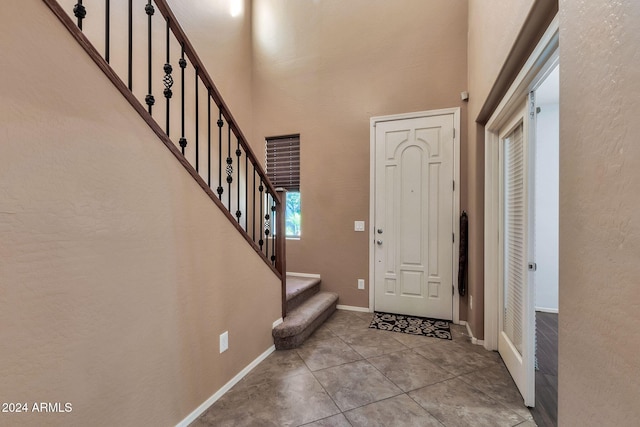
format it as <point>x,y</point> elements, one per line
<point>261,189</point>
<point>149,99</point>
<point>238,153</point>
<point>208,138</point>
<point>197,127</point>
<point>220,124</point>
<point>80,12</point>
<point>183,65</point>
<point>229,169</point>
<point>168,80</point>
<point>107,28</point>
<point>246,192</point>
<point>273,234</point>
<point>253,194</point>
<point>130,58</point>
<point>267,224</point>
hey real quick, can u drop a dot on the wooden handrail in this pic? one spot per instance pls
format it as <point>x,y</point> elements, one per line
<point>280,265</point>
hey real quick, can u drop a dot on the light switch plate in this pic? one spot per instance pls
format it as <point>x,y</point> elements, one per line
<point>360,283</point>
<point>358,225</point>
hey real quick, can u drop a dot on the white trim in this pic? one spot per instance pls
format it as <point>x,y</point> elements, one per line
<point>218,394</point>
<point>354,308</point>
<point>474,340</point>
<point>544,56</point>
<point>309,275</point>
<point>456,196</point>
<point>547,310</point>
<point>277,323</point>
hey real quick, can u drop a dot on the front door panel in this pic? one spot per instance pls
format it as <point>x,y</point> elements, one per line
<point>413,208</point>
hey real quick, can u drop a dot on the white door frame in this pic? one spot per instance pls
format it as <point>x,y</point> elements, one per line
<point>456,196</point>
<point>535,70</point>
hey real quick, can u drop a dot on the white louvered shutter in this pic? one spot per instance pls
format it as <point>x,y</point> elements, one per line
<point>514,237</point>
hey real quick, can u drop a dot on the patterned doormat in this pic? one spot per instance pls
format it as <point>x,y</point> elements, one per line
<point>411,325</point>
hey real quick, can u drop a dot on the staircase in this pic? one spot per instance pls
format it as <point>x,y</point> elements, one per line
<point>307,308</point>
<point>230,173</point>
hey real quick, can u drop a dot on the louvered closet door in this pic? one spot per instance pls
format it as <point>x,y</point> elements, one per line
<point>514,232</point>
<point>515,335</point>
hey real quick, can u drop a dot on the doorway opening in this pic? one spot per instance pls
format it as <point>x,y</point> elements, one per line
<point>545,240</point>
<point>515,166</point>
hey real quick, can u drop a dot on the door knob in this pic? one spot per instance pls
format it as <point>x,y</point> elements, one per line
<point>379,230</point>
<point>379,242</point>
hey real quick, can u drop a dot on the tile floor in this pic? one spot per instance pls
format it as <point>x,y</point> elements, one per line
<point>346,374</point>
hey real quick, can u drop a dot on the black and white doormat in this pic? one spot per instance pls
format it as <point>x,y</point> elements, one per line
<point>411,325</point>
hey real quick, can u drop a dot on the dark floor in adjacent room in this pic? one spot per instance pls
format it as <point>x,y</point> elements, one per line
<point>545,412</point>
<point>347,374</point>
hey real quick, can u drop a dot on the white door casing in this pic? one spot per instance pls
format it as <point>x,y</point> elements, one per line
<point>413,169</point>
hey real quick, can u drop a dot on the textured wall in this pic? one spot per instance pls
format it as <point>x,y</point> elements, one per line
<point>222,42</point>
<point>599,367</point>
<point>118,273</point>
<point>323,68</point>
<point>493,27</point>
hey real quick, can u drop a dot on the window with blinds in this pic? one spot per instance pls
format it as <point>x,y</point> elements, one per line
<point>283,161</point>
<point>283,169</point>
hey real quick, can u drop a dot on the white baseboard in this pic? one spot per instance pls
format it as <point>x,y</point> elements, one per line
<point>353,308</point>
<point>312,276</point>
<point>474,340</point>
<point>218,394</point>
<point>547,310</point>
<point>277,322</point>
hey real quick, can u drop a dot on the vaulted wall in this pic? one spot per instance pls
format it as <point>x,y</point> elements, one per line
<point>323,69</point>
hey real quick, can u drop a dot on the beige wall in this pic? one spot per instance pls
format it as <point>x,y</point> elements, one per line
<point>323,69</point>
<point>118,273</point>
<point>223,43</point>
<point>599,367</point>
<point>493,28</point>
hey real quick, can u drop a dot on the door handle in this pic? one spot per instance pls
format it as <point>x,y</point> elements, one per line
<point>379,242</point>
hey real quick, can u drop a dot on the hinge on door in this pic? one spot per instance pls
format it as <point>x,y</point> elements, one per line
<point>454,132</point>
<point>454,186</point>
<point>453,237</point>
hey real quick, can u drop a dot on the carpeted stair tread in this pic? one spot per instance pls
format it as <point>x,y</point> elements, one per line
<point>299,289</point>
<point>304,319</point>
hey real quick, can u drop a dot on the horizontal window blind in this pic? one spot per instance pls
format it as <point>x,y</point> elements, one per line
<point>283,161</point>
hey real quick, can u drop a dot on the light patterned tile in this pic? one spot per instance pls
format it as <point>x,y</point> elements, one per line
<point>288,401</point>
<point>398,411</point>
<point>320,354</point>
<point>356,384</point>
<point>457,404</point>
<point>409,370</point>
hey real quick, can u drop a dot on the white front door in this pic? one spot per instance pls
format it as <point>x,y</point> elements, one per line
<point>413,224</point>
<point>516,318</point>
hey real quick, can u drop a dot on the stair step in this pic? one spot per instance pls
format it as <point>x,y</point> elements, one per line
<point>300,289</point>
<point>304,319</point>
